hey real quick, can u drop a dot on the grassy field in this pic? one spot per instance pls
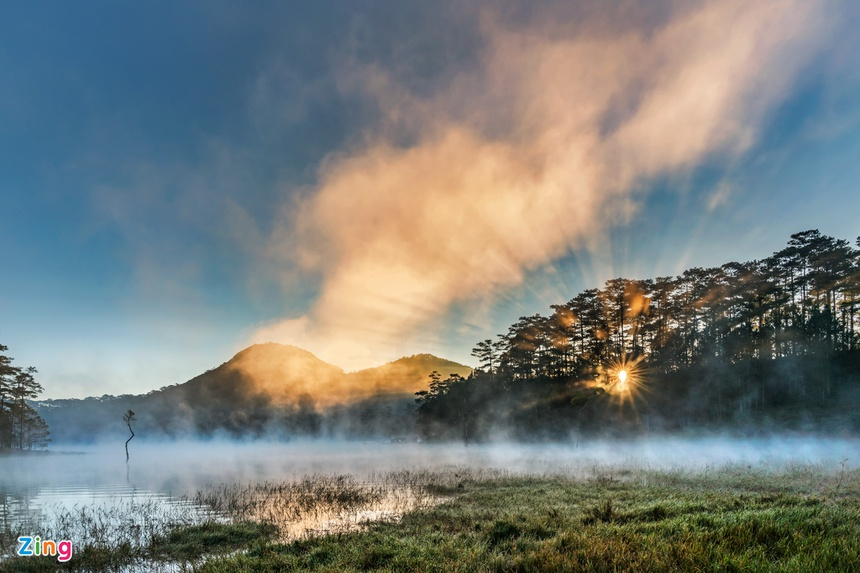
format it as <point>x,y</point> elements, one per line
<point>799,518</point>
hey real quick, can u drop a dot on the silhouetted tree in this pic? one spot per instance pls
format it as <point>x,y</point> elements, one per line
<point>713,335</point>
<point>18,420</point>
<point>486,353</point>
<point>32,431</point>
<point>23,388</point>
<point>7,377</point>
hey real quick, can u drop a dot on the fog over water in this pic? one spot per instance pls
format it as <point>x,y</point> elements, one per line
<point>43,491</point>
<point>182,467</point>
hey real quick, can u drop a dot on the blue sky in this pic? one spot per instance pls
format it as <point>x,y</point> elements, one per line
<point>368,180</point>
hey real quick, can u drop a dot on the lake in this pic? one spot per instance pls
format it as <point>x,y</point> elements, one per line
<point>91,492</point>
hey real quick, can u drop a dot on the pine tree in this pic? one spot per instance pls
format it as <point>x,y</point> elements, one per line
<point>7,378</point>
<point>21,427</point>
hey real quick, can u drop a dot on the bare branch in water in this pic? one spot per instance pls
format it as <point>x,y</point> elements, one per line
<point>128,418</point>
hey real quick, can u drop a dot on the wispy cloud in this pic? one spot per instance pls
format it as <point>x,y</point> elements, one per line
<point>521,159</point>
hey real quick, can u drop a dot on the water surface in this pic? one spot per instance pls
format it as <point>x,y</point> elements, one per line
<point>159,482</point>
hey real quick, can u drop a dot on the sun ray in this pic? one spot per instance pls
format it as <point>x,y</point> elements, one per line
<point>625,379</point>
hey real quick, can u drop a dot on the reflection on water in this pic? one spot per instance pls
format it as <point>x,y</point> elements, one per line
<point>100,515</point>
<point>86,497</point>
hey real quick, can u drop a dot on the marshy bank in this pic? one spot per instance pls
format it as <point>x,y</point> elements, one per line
<point>703,505</point>
<point>733,518</point>
<point>607,517</point>
<point>148,532</point>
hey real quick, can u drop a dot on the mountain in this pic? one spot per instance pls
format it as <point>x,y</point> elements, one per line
<point>404,376</point>
<point>264,388</point>
<point>287,373</point>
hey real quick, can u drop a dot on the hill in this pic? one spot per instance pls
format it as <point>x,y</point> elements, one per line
<point>287,374</point>
<point>266,388</point>
<point>404,376</point>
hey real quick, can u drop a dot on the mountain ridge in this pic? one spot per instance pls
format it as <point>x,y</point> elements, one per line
<point>263,386</point>
<point>287,372</point>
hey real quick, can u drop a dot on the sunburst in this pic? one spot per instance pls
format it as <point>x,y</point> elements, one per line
<point>625,379</point>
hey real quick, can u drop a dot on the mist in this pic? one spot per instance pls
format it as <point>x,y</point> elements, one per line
<point>182,467</point>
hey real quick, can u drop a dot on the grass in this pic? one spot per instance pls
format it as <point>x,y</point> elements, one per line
<point>179,548</point>
<point>192,542</point>
<point>798,518</point>
<point>737,519</point>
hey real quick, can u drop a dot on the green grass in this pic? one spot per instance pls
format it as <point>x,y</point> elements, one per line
<point>190,543</point>
<point>732,520</point>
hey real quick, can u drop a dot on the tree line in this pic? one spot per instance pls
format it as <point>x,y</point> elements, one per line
<point>730,325</point>
<point>21,427</point>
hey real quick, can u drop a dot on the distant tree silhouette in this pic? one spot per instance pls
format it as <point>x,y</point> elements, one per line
<point>7,376</point>
<point>21,427</point>
<point>24,387</point>
<point>733,338</point>
<point>34,432</point>
<point>485,352</point>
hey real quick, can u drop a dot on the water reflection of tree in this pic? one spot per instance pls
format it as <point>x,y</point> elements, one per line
<point>18,515</point>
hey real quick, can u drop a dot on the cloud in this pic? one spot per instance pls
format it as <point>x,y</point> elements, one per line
<point>532,153</point>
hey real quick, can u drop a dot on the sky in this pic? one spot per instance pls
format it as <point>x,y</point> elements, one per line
<point>369,180</point>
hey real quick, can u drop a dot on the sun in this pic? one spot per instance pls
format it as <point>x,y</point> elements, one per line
<point>625,378</point>
<point>622,379</point>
